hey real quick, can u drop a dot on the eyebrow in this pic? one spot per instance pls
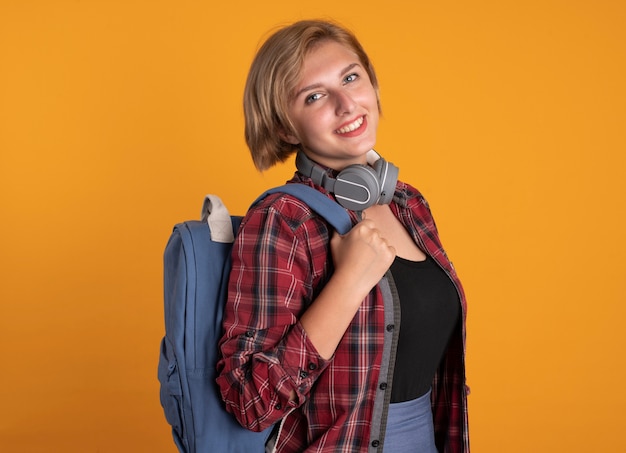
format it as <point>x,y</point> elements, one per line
<point>317,85</point>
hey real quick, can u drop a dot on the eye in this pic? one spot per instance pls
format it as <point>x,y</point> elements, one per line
<point>312,98</point>
<point>351,78</point>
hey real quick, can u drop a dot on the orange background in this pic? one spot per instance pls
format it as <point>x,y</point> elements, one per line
<point>116,117</point>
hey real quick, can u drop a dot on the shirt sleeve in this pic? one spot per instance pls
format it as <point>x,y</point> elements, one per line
<point>268,364</point>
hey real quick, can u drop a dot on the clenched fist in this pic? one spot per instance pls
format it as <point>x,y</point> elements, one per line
<point>361,257</point>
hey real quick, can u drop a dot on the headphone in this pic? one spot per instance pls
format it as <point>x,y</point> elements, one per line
<point>356,187</point>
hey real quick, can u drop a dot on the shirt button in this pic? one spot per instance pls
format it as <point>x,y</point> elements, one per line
<point>303,374</point>
<point>312,366</point>
<point>250,333</point>
<point>375,443</point>
<point>383,386</point>
<point>278,406</point>
<point>390,327</point>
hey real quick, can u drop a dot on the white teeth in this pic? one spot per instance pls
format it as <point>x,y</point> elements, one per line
<point>351,127</point>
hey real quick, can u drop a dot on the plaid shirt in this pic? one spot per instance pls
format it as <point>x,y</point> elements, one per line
<point>281,260</point>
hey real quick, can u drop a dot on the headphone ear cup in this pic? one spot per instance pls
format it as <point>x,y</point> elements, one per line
<point>357,187</point>
<point>387,175</point>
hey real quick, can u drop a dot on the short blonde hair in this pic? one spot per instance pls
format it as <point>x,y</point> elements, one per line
<point>272,79</point>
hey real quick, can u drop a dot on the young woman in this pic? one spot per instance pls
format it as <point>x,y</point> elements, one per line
<point>348,343</point>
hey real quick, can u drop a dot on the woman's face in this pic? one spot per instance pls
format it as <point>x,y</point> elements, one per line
<point>335,107</point>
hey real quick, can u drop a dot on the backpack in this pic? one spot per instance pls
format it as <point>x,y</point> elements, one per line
<point>196,270</point>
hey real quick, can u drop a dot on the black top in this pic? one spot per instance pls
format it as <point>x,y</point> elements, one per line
<point>430,310</point>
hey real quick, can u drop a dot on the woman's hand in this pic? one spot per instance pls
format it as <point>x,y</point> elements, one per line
<point>361,257</point>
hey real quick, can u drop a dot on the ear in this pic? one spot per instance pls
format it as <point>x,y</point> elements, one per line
<point>288,137</point>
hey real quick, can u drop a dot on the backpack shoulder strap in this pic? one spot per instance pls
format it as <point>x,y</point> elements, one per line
<point>318,202</point>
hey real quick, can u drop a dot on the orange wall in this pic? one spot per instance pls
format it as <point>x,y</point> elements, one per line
<point>116,117</point>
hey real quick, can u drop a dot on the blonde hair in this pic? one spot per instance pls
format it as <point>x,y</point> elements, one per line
<point>272,79</point>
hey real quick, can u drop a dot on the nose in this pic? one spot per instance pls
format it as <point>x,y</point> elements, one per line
<point>345,103</point>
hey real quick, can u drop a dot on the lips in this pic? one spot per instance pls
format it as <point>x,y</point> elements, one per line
<point>351,127</point>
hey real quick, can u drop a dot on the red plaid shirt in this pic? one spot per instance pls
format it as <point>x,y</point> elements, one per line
<point>281,260</point>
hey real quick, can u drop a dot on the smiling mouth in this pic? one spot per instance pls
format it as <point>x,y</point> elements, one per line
<point>351,127</point>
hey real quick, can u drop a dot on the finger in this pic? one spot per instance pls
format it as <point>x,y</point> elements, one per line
<point>368,223</point>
